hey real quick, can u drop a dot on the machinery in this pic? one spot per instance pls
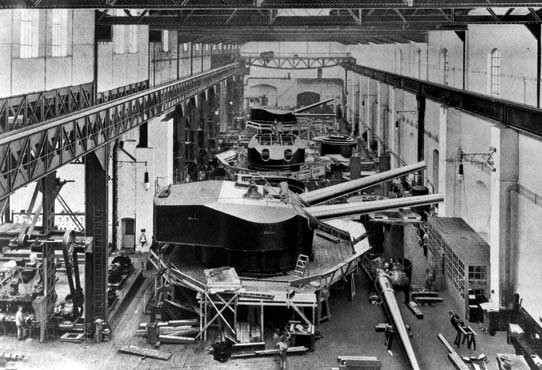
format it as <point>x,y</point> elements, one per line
<point>259,229</point>
<point>32,285</point>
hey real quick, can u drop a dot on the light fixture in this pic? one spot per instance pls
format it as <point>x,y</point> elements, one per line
<point>146,180</point>
<point>487,159</point>
<point>460,173</point>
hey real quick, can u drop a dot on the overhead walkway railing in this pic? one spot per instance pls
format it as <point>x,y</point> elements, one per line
<point>24,110</point>
<point>520,117</point>
<point>295,61</point>
<point>28,153</point>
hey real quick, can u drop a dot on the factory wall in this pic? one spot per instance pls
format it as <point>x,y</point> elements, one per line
<point>45,72</point>
<point>283,92</point>
<point>180,59</point>
<point>135,199</point>
<point>290,82</point>
<point>116,69</point>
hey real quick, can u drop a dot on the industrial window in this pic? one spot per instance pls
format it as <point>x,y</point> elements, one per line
<point>444,66</point>
<point>133,38</point>
<point>29,33</point>
<point>186,46</point>
<point>206,47</point>
<point>118,40</point>
<point>214,46</point>
<point>399,61</point>
<point>60,33</point>
<point>197,46</point>
<point>165,40</point>
<point>495,73</point>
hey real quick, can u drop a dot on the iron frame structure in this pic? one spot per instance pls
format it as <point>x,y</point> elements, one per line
<point>31,152</point>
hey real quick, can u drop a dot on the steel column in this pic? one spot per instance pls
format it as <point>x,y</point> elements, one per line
<point>420,100</point>
<point>96,226</point>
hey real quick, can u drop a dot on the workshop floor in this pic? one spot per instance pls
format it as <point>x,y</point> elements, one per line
<point>349,332</point>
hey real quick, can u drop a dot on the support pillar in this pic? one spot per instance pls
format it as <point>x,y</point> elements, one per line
<point>393,129</point>
<point>223,109</point>
<point>379,131</point>
<point>179,126</point>
<point>346,115</point>
<point>96,226</point>
<point>360,106</point>
<point>449,143</point>
<point>420,99</point>
<point>503,180</point>
<point>48,185</point>
<point>368,118</point>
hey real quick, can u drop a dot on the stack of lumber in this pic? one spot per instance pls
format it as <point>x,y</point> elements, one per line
<point>242,329</point>
<point>174,331</point>
<point>358,363</point>
<point>222,279</point>
<point>271,352</point>
<point>11,356</point>
<point>423,297</point>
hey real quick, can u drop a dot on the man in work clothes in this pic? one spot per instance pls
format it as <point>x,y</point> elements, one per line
<point>19,321</point>
<point>283,349</point>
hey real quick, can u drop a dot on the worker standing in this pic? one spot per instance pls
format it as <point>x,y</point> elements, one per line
<point>20,323</point>
<point>283,349</point>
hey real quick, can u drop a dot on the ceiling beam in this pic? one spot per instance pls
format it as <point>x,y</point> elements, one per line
<point>267,4</point>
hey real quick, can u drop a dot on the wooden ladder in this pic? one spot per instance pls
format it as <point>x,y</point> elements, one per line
<point>301,265</point>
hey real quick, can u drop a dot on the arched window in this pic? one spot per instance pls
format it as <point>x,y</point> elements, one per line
<point>444,66</point>
<point>495,72</point>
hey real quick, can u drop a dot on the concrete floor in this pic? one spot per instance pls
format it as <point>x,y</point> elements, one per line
<point>349,332</point>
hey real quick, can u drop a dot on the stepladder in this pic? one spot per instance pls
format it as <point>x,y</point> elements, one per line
<point>301,265</point>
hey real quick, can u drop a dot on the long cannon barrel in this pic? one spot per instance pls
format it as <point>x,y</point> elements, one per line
<point>383,285</point>
<point>330,192</point>
<point>339,210</point>
<point>302,109</point>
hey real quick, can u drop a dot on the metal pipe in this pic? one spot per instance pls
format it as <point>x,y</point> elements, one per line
<point>299,110</point>
<point>383,285</point>
<point>339,210</point>
<point>334,191</point>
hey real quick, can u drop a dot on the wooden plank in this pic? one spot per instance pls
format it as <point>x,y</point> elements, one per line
<point>427,299</point>
<point>445,342</point>
<point>176,339</point>
<point>342,358</point>
<point>457,361</point>
<point>413,307</point>
<point>145,352</point>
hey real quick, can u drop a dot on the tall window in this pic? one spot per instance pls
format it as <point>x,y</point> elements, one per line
<point>119,36</point>
<point>29,41</point>
<point>444,66</point>
<point>118,39</point>
<point>165,40</point>
<point>399,61</point>
<point>197,46</point>
<point>495,72</point>
<point>60,33</point>
<point>133,38</point>
<point>186,46</point>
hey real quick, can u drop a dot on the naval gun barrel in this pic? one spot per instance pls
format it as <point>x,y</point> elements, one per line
<point>339,210</point>
<point>385,288</point>
<point>334,191</point>
<point>302,109</point>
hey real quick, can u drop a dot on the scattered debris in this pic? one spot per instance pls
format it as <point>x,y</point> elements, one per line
<point>72,337</point>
